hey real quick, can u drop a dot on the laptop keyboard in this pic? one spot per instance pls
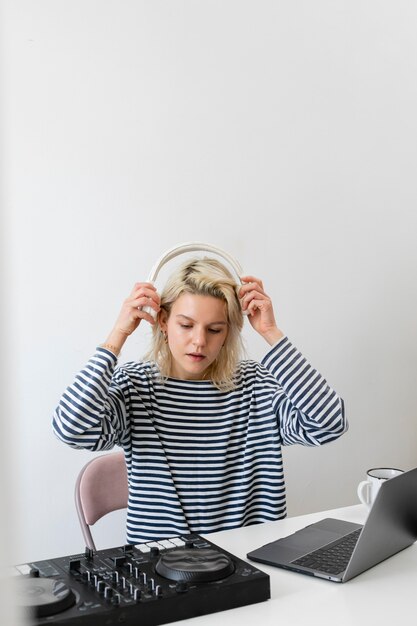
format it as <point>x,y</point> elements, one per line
<point>332,559</point>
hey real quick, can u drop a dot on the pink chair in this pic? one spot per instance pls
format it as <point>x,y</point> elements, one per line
<point>101,487</point>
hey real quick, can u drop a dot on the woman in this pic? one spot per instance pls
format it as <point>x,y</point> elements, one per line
<point>201,429</point>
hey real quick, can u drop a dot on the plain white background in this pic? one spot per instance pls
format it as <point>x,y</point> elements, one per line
<point>284,132</point>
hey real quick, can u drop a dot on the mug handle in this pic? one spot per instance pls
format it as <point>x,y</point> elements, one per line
<point>363,492</point>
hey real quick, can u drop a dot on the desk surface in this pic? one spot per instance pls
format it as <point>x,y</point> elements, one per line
<point>378,597</point>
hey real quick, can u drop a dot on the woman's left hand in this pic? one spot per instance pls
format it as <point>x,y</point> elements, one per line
<point>258,307</point>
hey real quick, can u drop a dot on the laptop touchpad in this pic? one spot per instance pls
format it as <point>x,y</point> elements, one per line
<point>309,539</point>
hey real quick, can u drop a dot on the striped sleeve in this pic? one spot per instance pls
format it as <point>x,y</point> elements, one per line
<point>309,411</point>
<point>92,412</point>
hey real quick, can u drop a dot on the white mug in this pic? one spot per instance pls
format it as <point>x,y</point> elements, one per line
<point>368,489</point>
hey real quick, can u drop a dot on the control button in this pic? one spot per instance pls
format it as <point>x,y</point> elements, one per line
<point>100,586</point>
<point>74,565</point>
<point>127,548</point>
<point>89,554</point>
<point>23,569</point>
<point>158,591</point>
<point>108,593</point>
<point>155,551</point>
<point>181,587</point>
<point>136,595</point>
<point>189,544</point>
<point>116,600</point>
<point>84,606</point>
<point>115,577</point>
<point>177,542</point>
<point>119,561</point>
<point>34,573</point>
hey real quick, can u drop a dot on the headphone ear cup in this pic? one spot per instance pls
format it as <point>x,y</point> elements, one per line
<point>149,310</point>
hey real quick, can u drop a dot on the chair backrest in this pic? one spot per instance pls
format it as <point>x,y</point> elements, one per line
<point>101,487</point>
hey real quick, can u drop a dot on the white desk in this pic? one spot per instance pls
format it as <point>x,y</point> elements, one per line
<point>385,595</point>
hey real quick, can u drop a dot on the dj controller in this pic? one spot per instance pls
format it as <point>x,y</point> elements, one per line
<point>147,584</point>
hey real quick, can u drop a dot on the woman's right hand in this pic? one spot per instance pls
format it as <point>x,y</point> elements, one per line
<point>133,311</point>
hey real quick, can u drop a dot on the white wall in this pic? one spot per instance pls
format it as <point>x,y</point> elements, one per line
<point>9,612</point>
<point>284,132</point>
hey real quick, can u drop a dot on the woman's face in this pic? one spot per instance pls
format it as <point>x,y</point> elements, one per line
<point>196,329</point>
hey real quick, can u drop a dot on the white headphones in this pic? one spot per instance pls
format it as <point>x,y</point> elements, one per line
<point>193,246</point>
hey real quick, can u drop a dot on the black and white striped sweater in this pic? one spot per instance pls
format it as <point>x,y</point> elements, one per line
<point>200,459</point>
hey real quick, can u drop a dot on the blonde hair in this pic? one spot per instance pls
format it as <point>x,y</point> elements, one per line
<point>207,277</point>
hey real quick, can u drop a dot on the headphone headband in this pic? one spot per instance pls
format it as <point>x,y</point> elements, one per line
<point>193,246</point>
